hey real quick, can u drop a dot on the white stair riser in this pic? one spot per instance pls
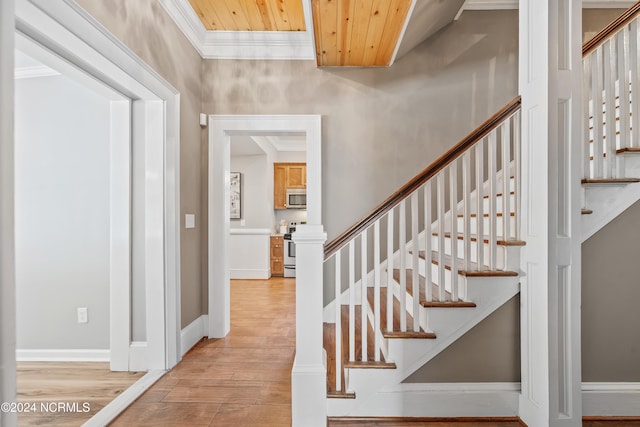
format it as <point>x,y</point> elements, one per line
<point>410,354</point>
<point>628,165</point>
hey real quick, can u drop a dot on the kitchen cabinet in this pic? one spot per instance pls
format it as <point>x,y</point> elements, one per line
<point>287,175</point>
<point>277,256</point>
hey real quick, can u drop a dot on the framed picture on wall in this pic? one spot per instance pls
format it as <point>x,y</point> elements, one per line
<point>236,195</point>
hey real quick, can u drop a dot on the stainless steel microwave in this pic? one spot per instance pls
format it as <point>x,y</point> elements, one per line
<point>296,198</point>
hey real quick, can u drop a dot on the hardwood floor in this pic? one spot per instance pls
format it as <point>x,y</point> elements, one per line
<point>42,385</point>
<point>243,379</point>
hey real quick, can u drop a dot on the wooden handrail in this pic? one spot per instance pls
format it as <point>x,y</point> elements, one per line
<point>611,29</point>
<point>405,191</point>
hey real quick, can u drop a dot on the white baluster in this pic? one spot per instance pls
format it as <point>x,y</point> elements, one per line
<point>376,290</point>
<point>480,203</point>
<point>428,235</point>
<point>466,208</point>
<point>516,173</point>
<point>363,286</point>
<point>402,242</point>
<point>589,116</point>
<point>338,322</point>
<point>609,61</point>
<point>453,207</point>
<point>415,282</point>
<point>352,301</point>
<point>597,88</point>
<point>506,180</point>
<point>441,230</point>
<point>491,172</point>
<point>390,271</point>
<point>623,82</point>
<point>635,83</point>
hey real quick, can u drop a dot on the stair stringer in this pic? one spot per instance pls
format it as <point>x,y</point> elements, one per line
<point>607,202</point>
<point>489,293</point>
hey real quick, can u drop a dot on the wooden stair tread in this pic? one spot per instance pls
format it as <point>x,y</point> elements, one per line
<point>473,267</point>
<point>435,289</point>
<point>371,364</point>
<point>396,332</point>
<point>486,215</point>
<point>499,195</point>
<point>329,336</point>
<point>586,211</point>
<point>610,181</point>
<point>474,238</point>
<point>628,150</point>
<point>332,394</point>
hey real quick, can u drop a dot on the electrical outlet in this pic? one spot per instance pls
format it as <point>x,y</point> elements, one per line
<point>83,315</point>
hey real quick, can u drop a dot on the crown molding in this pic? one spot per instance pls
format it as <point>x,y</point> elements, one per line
<point>513,4</point>
<point>35,71</point>
<point>292,45</point>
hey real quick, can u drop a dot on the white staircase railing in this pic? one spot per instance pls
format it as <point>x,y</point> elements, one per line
<point>611,97</point>
<point>453,215</point>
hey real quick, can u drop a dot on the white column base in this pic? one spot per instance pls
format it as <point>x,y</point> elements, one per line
<point>308,395</point>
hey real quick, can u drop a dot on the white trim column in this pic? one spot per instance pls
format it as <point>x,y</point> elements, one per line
<point>7,269</point>
<point>550,69</point>
<point>309,376</point>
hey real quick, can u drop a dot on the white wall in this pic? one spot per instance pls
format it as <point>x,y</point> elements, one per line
<point>291,156</point>
<point>62,214</point>
<point>257,198</point>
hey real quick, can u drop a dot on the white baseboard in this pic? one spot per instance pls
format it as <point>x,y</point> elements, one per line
<point>123,400</point>
<point>435,400</point>
<point>193,333</point>
<point>611,399</point>
<point>138,356</point>
<point>62,355</point>
<point>249,273</point>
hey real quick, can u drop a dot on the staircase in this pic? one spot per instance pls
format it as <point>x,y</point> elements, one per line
<point>443,252</point>
<point>427,285</point>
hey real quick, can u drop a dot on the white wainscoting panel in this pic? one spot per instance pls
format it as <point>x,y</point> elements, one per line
<point>249,253</point>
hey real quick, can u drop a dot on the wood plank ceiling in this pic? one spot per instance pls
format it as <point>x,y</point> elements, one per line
<point>347,32</point>
<point>250,15</point>
<point>358,32</point>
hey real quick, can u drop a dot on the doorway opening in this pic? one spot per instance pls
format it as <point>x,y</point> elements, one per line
<point>222,128</point>
<point>144,117</point>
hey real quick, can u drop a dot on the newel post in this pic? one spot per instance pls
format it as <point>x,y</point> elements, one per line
<point>308,377</point>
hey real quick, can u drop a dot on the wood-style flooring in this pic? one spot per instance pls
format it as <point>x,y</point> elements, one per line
<point>243,379</point>
<point>45,384</point>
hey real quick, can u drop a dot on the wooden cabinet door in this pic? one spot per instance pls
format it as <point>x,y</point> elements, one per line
<point>277,256</point>
<point>297,176</point>
<point>279,186</point>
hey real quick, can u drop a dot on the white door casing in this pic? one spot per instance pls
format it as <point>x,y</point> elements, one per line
<point>7,273</point>
<point>66,30</point>
<point>221,128</point>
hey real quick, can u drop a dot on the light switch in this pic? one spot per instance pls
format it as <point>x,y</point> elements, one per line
<point>189,221</point>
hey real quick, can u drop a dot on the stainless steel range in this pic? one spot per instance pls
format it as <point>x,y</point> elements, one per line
<point>290,253</point>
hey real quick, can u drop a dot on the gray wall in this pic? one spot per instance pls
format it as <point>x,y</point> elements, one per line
<point>145,27</point>
<point>62,214</point>
<point>489,352</point>
<point>610,298</point>
<point>380,126</point>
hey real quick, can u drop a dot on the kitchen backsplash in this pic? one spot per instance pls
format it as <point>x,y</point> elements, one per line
<point>296,215</point>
